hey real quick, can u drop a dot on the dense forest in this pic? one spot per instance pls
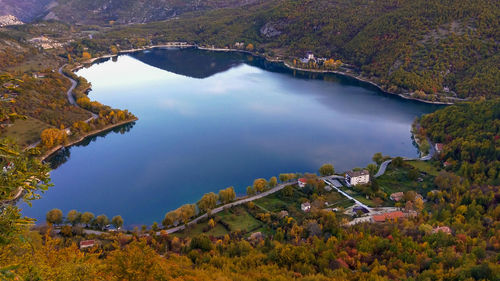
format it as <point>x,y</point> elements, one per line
<point>435,50</point>
<point>470,134</point>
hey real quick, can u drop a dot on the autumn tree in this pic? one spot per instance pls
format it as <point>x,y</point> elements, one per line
<point>87,218</point>
<point>101,221</point>
<point>273,181</point>
<point>52,137</point>
<point>86,55</point>
<point>186,212</point>
<point>54,216</point>
<point>211,223</point>
<point>326,170</point>
<point>227,195</point>
<point>260,185</point>
<point>170,218</point>
<point>73,217</point>
<point>207,202</point>
<point>117,221</point>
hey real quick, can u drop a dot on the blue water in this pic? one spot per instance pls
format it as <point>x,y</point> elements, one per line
<point>212,120</point>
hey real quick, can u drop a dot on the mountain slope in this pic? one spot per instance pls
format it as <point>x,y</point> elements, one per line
<point>25,10</point>
<point>432,49</point>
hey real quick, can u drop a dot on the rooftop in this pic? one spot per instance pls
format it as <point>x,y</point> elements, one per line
<point>358,173</point>
<point>388,216</point>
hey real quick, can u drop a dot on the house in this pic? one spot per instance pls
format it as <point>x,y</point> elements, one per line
<point>447,164</point>
<point>302,182</point>
<point>309,55</point>
<point>357,177</point>
<point>443,229</point>
<point>388,216</point>
<point>306,207</point>
<point>397,196</point>
<point>87,244</point>
<point>438,147</point>
<point>256,236</point>
<point>283,214</point>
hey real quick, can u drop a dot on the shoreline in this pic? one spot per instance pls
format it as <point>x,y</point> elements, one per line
<point>55,149</point>
<point>83,137</point>
<point>282,61</point>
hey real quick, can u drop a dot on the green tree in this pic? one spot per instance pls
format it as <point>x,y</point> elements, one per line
<point>288,190</point>
<point>250,191</point>
<point>87,218</point>
<point>378,158</point>
<point>397,162</point>
<point>372,168</point>
<point>73,217</point>
<point>117,221</point>
<point>326,170</point>
<point>155,227</point>
<point>54,216</point>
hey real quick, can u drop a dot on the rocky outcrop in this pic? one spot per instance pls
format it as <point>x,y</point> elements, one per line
<point>272,29</point>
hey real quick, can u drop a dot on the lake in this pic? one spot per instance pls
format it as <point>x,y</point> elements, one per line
<point>209,120</point>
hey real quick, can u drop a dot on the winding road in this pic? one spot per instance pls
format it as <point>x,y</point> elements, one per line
<point>69,93</point>
<point>386,163</point>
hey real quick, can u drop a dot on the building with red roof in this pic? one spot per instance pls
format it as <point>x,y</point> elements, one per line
<point>87,244</point>
<point>388,216</point>
<point>302,182</point>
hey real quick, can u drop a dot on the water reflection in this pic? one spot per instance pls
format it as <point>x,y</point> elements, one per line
<point>212,120</point>
<point>64,154</point>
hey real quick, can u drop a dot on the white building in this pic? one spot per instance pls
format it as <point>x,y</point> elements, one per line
<point>302,182</point>
<point>357,177</point>
<point>306,207</point>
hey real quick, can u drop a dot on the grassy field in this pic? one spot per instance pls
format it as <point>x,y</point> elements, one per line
<point>396,179</point>
<point>217,231</point>
<point>239,219</point>
<point>424,166</point>
<point>26,132</point>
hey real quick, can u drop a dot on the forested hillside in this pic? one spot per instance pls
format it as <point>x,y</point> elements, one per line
<point>470,134</point>
<point>432,49</point>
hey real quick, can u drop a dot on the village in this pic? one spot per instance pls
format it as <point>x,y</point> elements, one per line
<point>293,201</point>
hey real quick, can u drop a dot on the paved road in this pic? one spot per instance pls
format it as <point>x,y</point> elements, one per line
<point>382,168</point>
<point>229,205</point>
<point>427,157</point>
<point>347,195</point>
<point>69,93</point>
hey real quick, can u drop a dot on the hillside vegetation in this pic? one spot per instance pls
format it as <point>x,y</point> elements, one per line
<point>433,49</point>
<point>470,134</point>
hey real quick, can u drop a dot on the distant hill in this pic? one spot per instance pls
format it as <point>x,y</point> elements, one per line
<point>431,49</point>
<point>105,11</point>
<point>25,10</point>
